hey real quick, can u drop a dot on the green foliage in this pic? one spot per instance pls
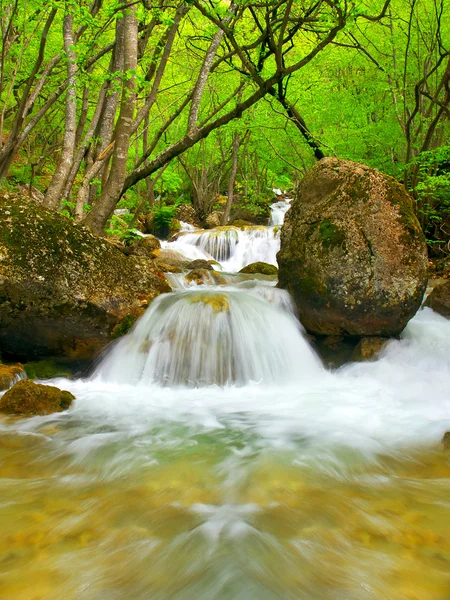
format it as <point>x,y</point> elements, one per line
<point>430,173</point>
<point>163,217</point>
<point>67,208</point>
<point>119,227</point>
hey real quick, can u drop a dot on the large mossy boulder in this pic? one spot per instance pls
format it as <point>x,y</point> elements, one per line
<point>65,292</point>
<point>352,252</point>
<point>28,398</point>
<point>439,299</point>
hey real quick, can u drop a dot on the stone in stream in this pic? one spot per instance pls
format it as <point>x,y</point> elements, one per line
<point>64,291</point>
<point>9,374</point>
<point>352,252</point>
<point>28,398</point>
<point>368,348</point>
<point>260,267</point>
<point>439,299</point>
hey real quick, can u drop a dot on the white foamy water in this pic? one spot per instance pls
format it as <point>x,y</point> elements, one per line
<point>399,401</point>
<point>232,247</point>
<point>278,211</point>
<point>209,336</point>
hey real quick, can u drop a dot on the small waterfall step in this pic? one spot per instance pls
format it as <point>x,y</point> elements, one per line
<point>197,338</point>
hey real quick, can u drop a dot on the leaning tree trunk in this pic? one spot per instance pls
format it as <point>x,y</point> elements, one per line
<point>105,204</point>
<point>54,193</point>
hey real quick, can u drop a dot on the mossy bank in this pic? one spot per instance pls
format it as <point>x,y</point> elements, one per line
<point>65,292</point>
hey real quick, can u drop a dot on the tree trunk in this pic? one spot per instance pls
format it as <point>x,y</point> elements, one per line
<point>234,166</point>
<point>105,204</point>
<point>53,196</point>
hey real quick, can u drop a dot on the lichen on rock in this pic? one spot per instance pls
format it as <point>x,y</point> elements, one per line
<point>28,398</point>
<point>63,290</point>
<point>261,268</point>
<point>352,252</point>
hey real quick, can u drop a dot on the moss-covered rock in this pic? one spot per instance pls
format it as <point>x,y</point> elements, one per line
<point>46,369</point>
<point>368,348</point>
<point>352,252</point>
<point>439,299</point>
<point>144,246</point>
<point>9,374</point>
<point>260,267</point>
<point>63,290</point>
<point>28,398</point>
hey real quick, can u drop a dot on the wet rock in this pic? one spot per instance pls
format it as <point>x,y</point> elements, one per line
<point>446,441</point>
<point>204,276</point>
<point>187,214</point>
<point>241,223</point>
<point>9,374</point>
<point>214,219</point>
<point>198,276</point>
<point>145,246</point>
<point>64,290</point>
<point>439,299</point>
<point>168,268</point>
<point>28,398</point>
<point>260,267</point>
<point>368,348</point>
<point>46,369</point>
<point>171,258</point>
<point>200,263</point>
<point>352,252</point>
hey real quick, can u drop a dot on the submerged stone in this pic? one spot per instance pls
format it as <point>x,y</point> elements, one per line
<point>218,302</point>
<point>28,398</point>
<point>352,252</point>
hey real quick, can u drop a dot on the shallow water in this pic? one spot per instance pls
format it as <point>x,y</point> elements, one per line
<point>291,483</point>
<point>331,487</point>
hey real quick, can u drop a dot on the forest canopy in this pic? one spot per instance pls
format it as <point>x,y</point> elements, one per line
<point>108,104</point>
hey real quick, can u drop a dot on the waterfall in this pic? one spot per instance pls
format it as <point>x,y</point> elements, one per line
<point>196,338</point>
<point>278,211</point>
<point>233,247</point>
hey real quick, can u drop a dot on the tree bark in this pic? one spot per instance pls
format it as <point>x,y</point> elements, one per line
<point>53,196</point>
<point>234,166</point>
<point>105,204</point>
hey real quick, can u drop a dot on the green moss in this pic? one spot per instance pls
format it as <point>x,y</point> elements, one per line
<point>123,327</point>
<point>331,235</point>
<point>310,285</point>
<point>46,369</point>
<point>260,267</point>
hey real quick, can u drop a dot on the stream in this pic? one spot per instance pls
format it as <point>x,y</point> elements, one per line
<point>211,456</point>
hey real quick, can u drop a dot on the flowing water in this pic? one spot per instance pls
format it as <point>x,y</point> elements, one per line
<point>210,456</point>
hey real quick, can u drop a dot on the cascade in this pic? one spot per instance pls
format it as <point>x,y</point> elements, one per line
<point>233,247</point>
<point>278,211</point>
<point>209,336</point>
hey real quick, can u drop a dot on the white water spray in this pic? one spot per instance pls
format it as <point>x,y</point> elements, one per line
<point>211,337</point>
